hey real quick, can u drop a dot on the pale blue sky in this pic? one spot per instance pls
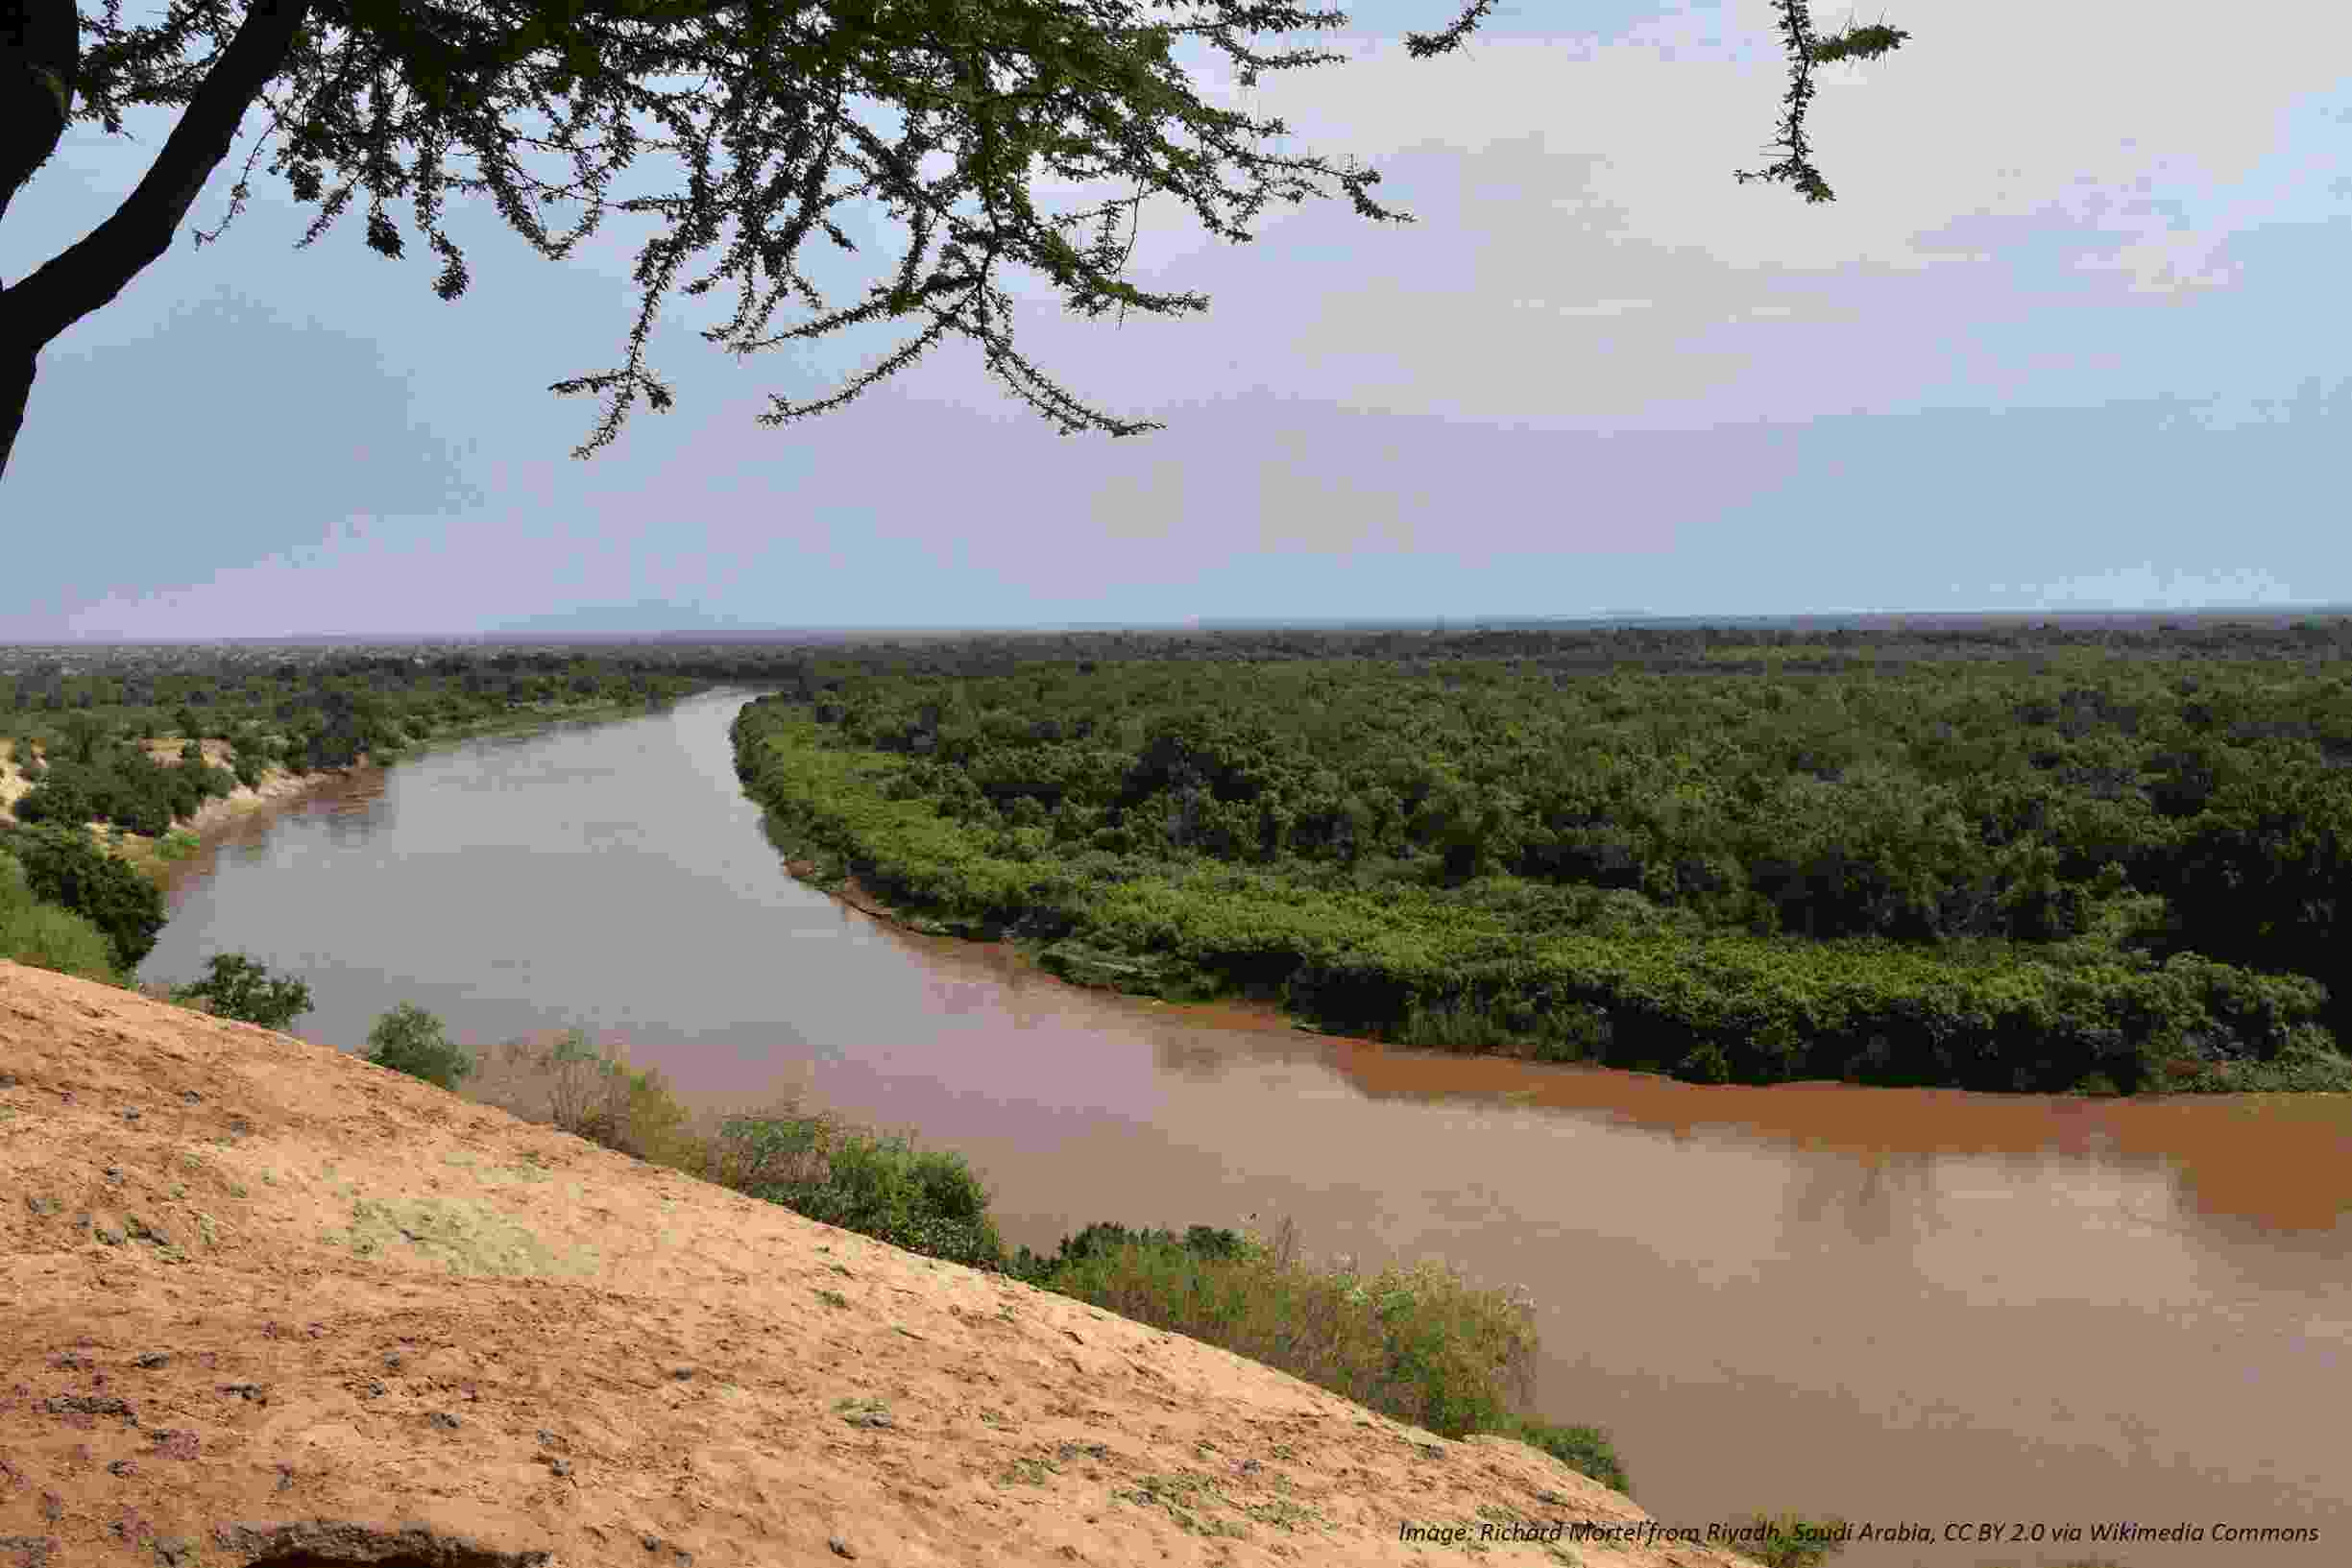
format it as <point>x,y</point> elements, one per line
<point>2074,335</point>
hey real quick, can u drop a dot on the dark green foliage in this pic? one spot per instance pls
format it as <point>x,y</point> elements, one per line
<point>45,936</point>
<point>925,1200</point>
<point>236,986</point>
<point>410,1040</point>
<point>1422,1344</point>
<point>1585,1449</point>
<point>1208,1242</point>
<point>123,786</point>
<point>63,867</point>
<point>59,800</point>
<point>1912,859</point>
<point>322,714</point>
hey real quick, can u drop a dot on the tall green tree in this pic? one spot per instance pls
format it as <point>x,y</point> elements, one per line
<point>764,115</point>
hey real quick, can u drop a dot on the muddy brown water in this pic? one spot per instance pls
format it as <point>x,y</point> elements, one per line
<point>1917,1309</point>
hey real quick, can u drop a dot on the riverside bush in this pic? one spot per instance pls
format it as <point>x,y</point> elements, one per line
<point>594,1092</point>
<point>124,786</point>
<point>63,867</point>
<point>925,1200</point>
<point>48,937</point>
<point>1585,1449</point>
<point>410,1040</point>
<point>238,986</point>
<point>1421,1344</point>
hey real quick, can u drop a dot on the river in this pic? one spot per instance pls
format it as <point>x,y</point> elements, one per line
<point>1904,1307</point>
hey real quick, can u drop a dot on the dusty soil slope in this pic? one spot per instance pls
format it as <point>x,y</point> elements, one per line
<point>262,1303</point>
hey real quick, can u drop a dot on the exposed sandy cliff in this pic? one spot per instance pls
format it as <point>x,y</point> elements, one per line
<point>263,1303</point>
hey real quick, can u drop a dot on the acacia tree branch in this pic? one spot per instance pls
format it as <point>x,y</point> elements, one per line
<point>39,51</point>
<point>94,269</point>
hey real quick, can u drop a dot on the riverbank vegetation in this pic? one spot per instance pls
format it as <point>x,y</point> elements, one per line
<point>2018,861</point>
<point>104,752</point>
<point>74,883</point>
<point>45,934</point>
<point>1422,1344</point>
<point>140,745</point>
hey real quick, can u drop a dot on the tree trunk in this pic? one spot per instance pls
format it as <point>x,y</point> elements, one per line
<point>39,61</point>
<point>39,51</point>
<point>91,272</point>
<point>15,388</point>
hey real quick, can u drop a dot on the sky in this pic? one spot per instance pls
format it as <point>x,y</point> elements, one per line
<point>2073,336</point>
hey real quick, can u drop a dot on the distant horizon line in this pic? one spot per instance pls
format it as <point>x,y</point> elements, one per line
<point>520,633</point>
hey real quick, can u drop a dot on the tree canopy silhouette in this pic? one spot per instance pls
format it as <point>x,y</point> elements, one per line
<point>762,117</point>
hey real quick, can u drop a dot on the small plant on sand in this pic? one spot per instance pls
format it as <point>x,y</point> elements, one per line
<point>410,1040</point>
<point>1585,1449</point>
<point>1791,1540</point>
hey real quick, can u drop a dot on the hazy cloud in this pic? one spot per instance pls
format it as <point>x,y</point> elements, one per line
<point>2073,327</point>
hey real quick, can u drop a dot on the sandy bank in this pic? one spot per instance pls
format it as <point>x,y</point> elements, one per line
<point>313,1290</point>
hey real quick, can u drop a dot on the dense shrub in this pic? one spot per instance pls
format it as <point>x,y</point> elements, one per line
<point>2055,970</point>
<point>1199,1241</point>
<point>63,867</point>
<point>410,1040</point>
<point>1585,1449</point>
<point>923,1199</point>
<point>59,800</point>
<point>1421,1344</point>
<point>123,786</point>
<point>236,986</point>
<point>45,936</point>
